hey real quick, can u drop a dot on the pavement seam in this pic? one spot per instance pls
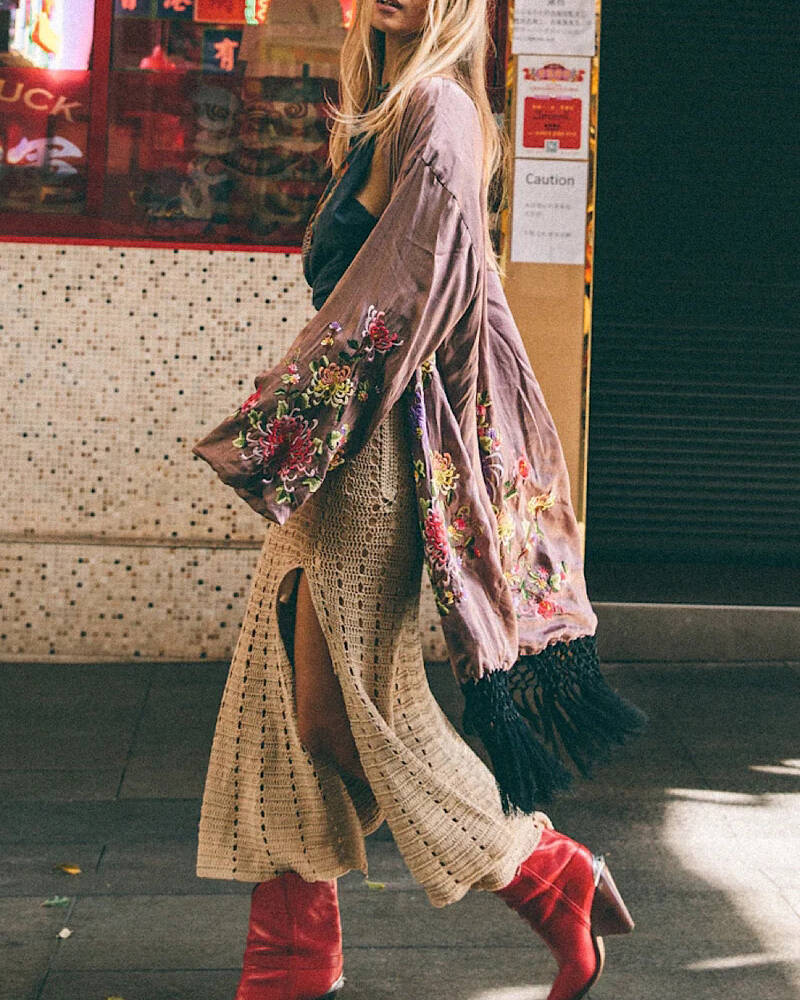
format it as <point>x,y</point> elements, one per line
<point>136,727</point>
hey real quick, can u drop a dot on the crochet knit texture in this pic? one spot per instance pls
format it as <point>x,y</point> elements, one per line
<point>268,807</point>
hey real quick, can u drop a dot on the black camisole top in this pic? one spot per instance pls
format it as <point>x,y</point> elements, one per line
<point>339,226</point>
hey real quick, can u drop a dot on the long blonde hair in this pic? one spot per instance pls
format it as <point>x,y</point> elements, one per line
<point>453,41</point>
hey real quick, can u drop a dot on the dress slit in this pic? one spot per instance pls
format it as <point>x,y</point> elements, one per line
<point>286,608</point>
<point>268,806</point>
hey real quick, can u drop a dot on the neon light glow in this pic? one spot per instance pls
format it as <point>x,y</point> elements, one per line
<point>347,12</point>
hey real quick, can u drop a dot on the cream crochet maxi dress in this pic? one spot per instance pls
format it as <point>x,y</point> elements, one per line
<point>268,807</point>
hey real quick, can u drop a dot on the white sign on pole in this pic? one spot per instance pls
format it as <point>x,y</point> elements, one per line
<point>548,220</point>
<point>554,27</point>
<point>552,115</point>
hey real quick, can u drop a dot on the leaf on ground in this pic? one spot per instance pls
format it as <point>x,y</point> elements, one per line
<point>374,885</point>
<point>56,901</point>
<point>65,932</point>
<point>69,869</point>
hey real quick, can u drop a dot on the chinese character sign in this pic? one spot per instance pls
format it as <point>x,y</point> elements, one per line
<point>133,8</point>
<point>557,27</point>
<point>182,9</point>
<point>552,106</point>
<point>220,49</point>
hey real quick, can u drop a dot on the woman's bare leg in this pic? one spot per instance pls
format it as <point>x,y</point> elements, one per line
<point>321,715</point>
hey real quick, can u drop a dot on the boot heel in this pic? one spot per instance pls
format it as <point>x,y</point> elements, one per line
<point>333,992</point>
<point>609,913</point>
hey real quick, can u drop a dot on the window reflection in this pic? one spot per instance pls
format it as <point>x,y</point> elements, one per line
<point>214,121</point>
<point>44,104</point>
<point>218,129</point>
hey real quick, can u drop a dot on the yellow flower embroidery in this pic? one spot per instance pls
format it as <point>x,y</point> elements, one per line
<point>445,475</point>
<point>544,501</point>
<point>426,368</point>
<point>332,384</point>
<point>505,527</point>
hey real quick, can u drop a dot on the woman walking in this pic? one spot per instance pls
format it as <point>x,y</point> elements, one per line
<point>403,427</point>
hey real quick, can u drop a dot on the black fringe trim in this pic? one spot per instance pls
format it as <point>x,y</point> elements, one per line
<point>558,697</point>
<point>525,770</point>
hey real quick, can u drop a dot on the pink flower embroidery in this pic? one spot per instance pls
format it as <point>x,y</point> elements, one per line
<point>523,469</point>
<point>250,402</point>
<point>377,335</point>
<point>435,534</point>
<point>460,524</point>
<point>286,444</point>
<point>546,609</point>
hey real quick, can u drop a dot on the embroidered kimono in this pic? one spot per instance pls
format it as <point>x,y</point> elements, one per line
<point>420,318</point>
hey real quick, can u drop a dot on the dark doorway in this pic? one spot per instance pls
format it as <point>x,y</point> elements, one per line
<point>694,429</point>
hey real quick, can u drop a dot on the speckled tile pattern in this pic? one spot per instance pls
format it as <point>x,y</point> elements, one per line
<point>116,361</point>
<point>115,541</point>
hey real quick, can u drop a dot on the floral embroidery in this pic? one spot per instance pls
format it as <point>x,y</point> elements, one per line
<point>445,475</point>
<point>522,470</point>
<point>285,442</point>
<point>460,533</point>
<point>281,444</point>
<point>544,501</point>
<point>331,383</point>
<point>443,567</point>
<point>327,340</point>
<point>291,376</point>
<point>505,528</point>
<point>416,412</point>
<point>435,479</point>
<point>427,368</point>
<point>250,402</point>
<point>489,442</point>
<point>335,442</point>
<point>376,335</point>
<point>447,526</point>
<point>435,534</point>
<point>445,544</point>
<point>533,589</point>
<point>488,437</point>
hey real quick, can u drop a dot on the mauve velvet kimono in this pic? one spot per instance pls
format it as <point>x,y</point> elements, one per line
<point>420,319</point>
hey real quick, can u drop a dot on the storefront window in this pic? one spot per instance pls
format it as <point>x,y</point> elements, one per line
<point>168,120</point>
<point>45,87</point>
<point>199,122</point>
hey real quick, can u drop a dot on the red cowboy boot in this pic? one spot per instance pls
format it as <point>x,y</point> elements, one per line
<point>569,898</point>
<point>294,941</point>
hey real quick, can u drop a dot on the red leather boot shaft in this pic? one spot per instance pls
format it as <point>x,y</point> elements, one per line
<point>294,940</point>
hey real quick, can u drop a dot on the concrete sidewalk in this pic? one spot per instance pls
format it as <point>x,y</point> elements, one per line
<point>103,769</point>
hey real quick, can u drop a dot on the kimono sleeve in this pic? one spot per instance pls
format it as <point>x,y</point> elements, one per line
<point>409,286</point>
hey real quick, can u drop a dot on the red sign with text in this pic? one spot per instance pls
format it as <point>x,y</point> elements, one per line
<point>220,11</point>
<point>44,123</point>
<point>552,118</point>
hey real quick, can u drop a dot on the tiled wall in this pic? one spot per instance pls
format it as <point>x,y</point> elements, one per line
<point>115,542</point>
